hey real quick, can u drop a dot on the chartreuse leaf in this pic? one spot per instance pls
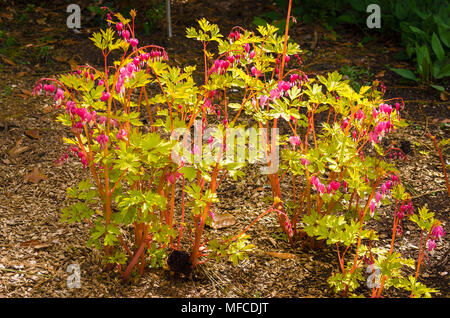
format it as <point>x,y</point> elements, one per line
<point>332,228</point>
<point>236,250</point>
<point>189,172</point>
<point>424,219</point>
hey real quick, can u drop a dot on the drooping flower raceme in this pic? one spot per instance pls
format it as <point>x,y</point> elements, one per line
<point>333,187</point>
<point>102,139</point>
<point>437,232</point>
<point>320,187</point>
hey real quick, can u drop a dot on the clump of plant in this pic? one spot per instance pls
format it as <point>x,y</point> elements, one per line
<point>336,166</point>
<point>144,177</point>
<point>129,167</point>
<point>151,183</point>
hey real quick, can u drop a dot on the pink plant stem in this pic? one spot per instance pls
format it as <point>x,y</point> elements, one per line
<point>200,221</point>
<point>444,169</point>
<point>271,209</point>
<point>182,215</point>
<point>288,19</point>
<point>421,253</point>
<point>341,260</point>
<point>135,258</point>
<point>394,231</point>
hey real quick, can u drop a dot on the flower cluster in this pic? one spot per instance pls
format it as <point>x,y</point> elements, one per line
<point>359,115</point>
<point>233,58</point>
<point>284,86</point>
<point>220,66</point>
<point>407,209</point>
<point>277,63</point>
<point>333,187</point>
<point>382,126</point>
<point>288,227</point>
<point>437,233</point>
<point>255,72</point>
<point>49,89</point>
<point>80,115</point>
<point>102,139</point>
<point>386,186</point>
<point>385,190</point>
<point>64,157</point>
<point>320,187</point>
<point>305,162</point>
<point>298,79</point>
<point>80,154</point>
<point>59,96</point>
<point>156,55</point>
<point>263,100</point>
<point>397,155</point>
<point>122,134</point>
<point>125,73</point>
<point>172,177</point>
<point>234,36</point>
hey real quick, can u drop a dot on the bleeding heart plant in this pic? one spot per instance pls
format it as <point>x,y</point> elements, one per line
<point>336,163</point>
<point>137,174</point>
<point>145,177</point>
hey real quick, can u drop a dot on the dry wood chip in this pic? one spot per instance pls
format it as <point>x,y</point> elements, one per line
<point>18,148</point>
<point>222,220</point>
<point>32,133</point>
<point>34,176</point>
<point>282,255</point>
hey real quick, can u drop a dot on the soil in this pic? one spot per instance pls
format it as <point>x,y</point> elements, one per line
<point>36,248</point>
